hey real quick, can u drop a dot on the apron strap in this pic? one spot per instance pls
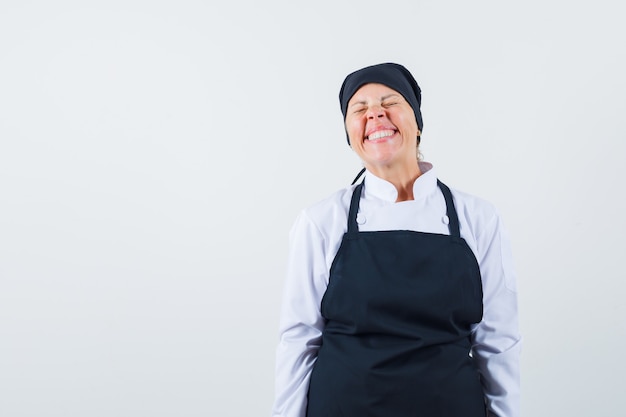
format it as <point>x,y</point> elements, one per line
<point>358,176</point>
<point>453,224</point>
<point>354,209</point>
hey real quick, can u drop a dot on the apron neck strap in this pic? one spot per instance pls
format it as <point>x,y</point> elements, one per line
<point>354,209</point>
<point>453,224</point>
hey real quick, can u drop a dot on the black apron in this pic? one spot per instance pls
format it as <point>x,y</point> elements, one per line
<point>398,311</point>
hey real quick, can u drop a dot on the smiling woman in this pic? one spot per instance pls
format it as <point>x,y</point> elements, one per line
<point>382,129</point>
<point>400,298</point>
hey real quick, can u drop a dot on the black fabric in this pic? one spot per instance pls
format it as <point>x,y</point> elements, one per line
<point>399,309</point>
<point>358,176</point>
<point>392,75</point>
<point>453,219</point>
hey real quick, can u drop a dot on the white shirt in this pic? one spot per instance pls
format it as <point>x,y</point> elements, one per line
<point>314,240</point>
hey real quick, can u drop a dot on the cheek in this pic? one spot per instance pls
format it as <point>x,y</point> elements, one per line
<point>407,121</point>
<point>355,128</point>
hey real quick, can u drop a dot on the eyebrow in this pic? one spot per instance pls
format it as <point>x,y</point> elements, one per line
<point>383,98</point>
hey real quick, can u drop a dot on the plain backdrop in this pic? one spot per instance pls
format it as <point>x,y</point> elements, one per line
<point>154,154</point>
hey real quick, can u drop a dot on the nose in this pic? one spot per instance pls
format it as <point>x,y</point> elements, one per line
<point>375,112</point>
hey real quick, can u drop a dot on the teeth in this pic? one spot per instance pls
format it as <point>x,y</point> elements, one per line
<point>380,134</point>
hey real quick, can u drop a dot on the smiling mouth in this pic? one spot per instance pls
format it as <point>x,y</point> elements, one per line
<point>380,134</point>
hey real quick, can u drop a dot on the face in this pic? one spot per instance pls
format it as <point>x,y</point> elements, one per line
<point>382,128</point>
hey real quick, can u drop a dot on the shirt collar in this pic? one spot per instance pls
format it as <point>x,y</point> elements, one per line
<point>383,189</point>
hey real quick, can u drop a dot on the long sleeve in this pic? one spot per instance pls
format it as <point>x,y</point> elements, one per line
<point>301,323</point>
<point>497,341</point>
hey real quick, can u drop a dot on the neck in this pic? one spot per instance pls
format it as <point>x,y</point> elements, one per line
<point>402,178</point>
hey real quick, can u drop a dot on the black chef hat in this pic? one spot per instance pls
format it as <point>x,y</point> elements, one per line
<point>392,75</point>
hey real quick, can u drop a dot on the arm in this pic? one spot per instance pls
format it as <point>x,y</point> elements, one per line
<point>301,323</point>
<point>496,339</point>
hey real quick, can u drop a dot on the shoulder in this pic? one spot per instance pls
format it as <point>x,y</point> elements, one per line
<point>475,213</point>
<point>330,212</point>
<point>318,228</point>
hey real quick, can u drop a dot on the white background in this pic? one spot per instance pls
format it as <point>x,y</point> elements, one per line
<point>154,154</point>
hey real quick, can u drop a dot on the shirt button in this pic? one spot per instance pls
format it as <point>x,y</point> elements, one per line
<point>360,218</point>
<point>445,220</point>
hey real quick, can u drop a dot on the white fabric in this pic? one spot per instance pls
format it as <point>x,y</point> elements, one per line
<point>314,241</point>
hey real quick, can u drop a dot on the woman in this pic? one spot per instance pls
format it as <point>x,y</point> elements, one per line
<point>400,296</point>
